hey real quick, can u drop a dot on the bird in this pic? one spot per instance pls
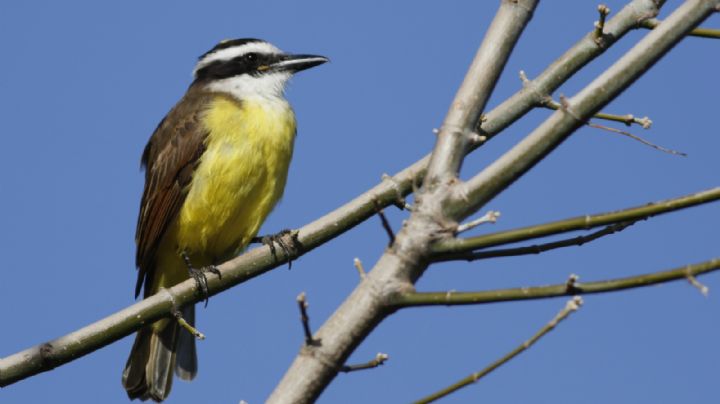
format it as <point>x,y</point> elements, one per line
<point>215,167</point>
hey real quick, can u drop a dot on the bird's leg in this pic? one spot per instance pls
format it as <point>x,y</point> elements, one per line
<point>290,245</point>
<point>199,276</point>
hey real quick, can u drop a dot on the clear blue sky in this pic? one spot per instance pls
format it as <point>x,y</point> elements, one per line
<point>82,86</point>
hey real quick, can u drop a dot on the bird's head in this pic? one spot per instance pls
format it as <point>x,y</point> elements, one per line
<point>249,68</point>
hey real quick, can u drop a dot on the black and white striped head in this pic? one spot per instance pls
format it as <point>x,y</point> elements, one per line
<point>250,67</point>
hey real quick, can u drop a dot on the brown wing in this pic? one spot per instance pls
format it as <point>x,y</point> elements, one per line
<point>170,158</point>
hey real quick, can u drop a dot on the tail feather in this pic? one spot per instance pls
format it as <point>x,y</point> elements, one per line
<point>149,370</point>
<point>186,365</point>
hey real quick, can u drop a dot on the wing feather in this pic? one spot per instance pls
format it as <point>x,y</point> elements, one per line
<point>170,157</point>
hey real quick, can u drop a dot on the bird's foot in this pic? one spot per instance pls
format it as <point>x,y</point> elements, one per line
<point>286,239</point>
<point>200,277</point>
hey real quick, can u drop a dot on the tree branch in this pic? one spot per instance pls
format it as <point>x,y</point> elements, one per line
<point>255,262</point>
<point>638,138</point>
<point>628,119</point>
<point>315,367</point>
<point>540,248</point>
<point>543,292</point>
<point>570,307</point>
<point>576,111</point>
<point>379,360</point>
<point>454,249</point>
<point>652,23</point>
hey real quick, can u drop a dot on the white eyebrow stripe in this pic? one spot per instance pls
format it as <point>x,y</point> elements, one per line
<point>235,51</point>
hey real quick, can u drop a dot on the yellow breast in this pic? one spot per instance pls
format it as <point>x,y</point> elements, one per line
<point>240,177</point>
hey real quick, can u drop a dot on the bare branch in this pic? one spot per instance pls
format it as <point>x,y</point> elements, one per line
<point>603,10</point>
<point>359,266</point>
<point>490,217</point>
<point>305,319</point>
<point>469,103</point>
<point>386,226</point>
<point>534,92</point>
<point>476,192</point>
<point>403,262</point>
<point>652,23</point>
<point>379,360</point>
<point>447,249</point>
<point>628,119</point>
<point>417,299</point>
<point>540,248</point>
<point>704,290</point>
<point>639,139</point>
<point>185,325</point>
<point>570,307</point>
<point>255,262</point>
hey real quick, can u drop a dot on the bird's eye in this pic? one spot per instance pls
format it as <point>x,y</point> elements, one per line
<point>251,57</point>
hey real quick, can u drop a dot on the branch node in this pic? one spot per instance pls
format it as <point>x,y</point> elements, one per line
<point>574,304</point>
<point>449,293</point>
<point>400,201</point>
<point>539,97</point>
<point>379,360</point>
<point>359,266</point>
<point>524,79</point>
<point>490,217</point>
<point>603,10</point>
<point>645,122</point>
<point>571,285</point>
<point>305,319</point>
<point>565,107</point>
<point>704,290</point>
<point>477,139</point>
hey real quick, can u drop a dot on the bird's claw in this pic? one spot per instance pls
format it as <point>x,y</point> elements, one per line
<point>289,245</point>
<point>200,277</point>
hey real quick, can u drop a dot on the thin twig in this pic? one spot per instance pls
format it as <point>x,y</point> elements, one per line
<point>490,217</point>
<point>570,307</point>
<point>652,23</point>
<point>448,249</point>
<point>305,319</point>
<point>540,248</point>
<point>627,119</point>
<point>704,290</point>
<point>603,10</point>
<point>184,324</point>
<point>418,299</point>
<point>387,227</point>
<point>380,359</point>
<point>638,138</point>
<point>359,266</point>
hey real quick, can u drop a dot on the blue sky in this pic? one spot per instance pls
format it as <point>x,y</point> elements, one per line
<point>82,86</point>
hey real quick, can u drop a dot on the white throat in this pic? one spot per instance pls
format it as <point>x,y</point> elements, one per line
<point>243,87</point>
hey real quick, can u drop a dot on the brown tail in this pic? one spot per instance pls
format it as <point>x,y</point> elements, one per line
<point>158,349</point>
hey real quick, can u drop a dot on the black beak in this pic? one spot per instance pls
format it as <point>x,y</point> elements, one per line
<point>295,63</point>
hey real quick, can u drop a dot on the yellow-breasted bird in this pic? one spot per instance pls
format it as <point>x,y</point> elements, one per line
<point>216,165</point>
